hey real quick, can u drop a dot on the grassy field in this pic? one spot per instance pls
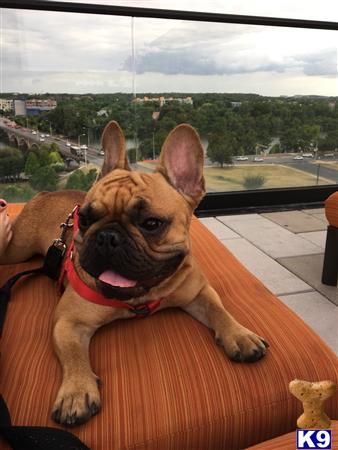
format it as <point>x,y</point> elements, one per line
<point>232,178</point>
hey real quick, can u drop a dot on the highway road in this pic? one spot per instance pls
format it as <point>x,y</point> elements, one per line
<point>308,165</point>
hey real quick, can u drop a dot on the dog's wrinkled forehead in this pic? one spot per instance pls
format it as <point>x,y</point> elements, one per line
<point>117,189</point>
<point>118,192</point>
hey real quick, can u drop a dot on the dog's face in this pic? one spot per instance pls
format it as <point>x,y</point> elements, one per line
<point>134,226</point>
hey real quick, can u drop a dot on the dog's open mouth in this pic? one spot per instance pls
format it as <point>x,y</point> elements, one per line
<point>116,280</point>
<point>114,285</point>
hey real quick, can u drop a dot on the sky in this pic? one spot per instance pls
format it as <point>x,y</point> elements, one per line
<point>77,53</point>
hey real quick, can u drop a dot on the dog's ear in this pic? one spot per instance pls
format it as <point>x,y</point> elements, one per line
<point>181,162</point>
<point>114,146</point>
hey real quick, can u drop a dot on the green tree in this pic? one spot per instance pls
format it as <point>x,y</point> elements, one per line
<point>55,157</point>
<point>132,155</point>
<point>254,181</point>
<point>221,148</point>
<point>79,180</point>
<point>11,162</point>
<point>75,180</point>
<point>18,193</point>
<point>54,147</point>
<point>44,179</point>
<point>32,164</point>
<point>89,180</point>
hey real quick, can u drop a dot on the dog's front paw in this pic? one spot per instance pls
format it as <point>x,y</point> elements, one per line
<point>242,345</point>
<point>76,402</point>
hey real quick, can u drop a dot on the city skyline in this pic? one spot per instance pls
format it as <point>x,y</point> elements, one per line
<point>75,53</point>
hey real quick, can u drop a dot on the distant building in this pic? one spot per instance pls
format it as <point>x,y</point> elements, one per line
<point>36,106</point>
<point>20,108</point>
<point>6,105</point>
<point>102,112</point>
<point>332,105</point>
<point>236,104</point>
<point>162,100</point>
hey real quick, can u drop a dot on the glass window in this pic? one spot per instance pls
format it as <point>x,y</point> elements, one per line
<point>263,99</point>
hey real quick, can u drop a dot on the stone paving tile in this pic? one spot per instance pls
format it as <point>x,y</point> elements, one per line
<point>219,229</point>
<point>296,221</point>
<point>317,237</point>
<point>318,213</point>
<point>274,276</point>
<point>309,269</point>
<point>269,237</point>
<point>314,211</point>
<point>321,217</point>
<point>320,314</point>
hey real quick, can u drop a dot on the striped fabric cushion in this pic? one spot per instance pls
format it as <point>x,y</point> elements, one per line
<point>288,441</point>
<point>331,209</point>
<point>166,385</point>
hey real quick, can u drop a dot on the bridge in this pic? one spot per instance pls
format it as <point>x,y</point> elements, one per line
<point>25,140</point>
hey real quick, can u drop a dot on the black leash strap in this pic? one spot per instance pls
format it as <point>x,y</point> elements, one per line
<point>51,268</point>
<point>36,438</point>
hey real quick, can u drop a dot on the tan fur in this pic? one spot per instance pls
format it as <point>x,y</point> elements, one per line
<point>76,320</point>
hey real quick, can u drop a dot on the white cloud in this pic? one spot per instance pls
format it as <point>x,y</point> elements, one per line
<point>59,52</point>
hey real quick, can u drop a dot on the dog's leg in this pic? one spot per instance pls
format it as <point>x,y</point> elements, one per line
<point>75,322</point>
<point>78,398</point>
<point>240,344</point>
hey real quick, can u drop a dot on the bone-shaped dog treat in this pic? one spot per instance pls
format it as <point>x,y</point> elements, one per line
<point>313,396</point>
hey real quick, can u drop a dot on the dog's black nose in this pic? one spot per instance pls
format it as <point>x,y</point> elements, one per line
<point>109,239</point>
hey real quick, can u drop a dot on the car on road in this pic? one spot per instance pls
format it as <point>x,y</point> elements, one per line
<point>298,157</point>
<point>84,147</point>
<point>42,139</point>
<point>258,159</point>
<point>33,132</point>
<point>42,135</point>
<point>242,158</point>
<point>47,135</point>
<point>307,155</point>
<point>68,144</point>
<point>101,152</point>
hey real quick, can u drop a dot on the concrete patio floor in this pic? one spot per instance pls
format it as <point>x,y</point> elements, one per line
<point>285,251</point>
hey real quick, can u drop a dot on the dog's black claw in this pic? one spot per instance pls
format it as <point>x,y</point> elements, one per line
<point>56,415</point>
<point>98,382</point>
<point>94,409</point>
<point>237,357</point>
<point>71,419</point>
<point>255,356</point>
<point>267,345</point>
<point>218,341</point>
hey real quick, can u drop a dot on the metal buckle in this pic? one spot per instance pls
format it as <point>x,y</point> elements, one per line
<point>59,244</point>
<point>141,310</point>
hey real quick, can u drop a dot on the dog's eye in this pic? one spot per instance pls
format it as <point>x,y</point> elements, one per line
<point>151,224</point>
<point>84,221</point>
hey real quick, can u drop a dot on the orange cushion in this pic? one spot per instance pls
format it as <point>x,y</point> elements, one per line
<point>165,382</point>
<point>331,209</point>
<point>288,441</point>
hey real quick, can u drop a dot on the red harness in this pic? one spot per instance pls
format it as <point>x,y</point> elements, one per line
<point>89,294</point>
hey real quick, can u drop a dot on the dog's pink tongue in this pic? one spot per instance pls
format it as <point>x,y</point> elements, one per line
<point>115,279</point>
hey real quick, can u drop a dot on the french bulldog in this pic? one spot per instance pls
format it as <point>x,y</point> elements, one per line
<point>133,245</point>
